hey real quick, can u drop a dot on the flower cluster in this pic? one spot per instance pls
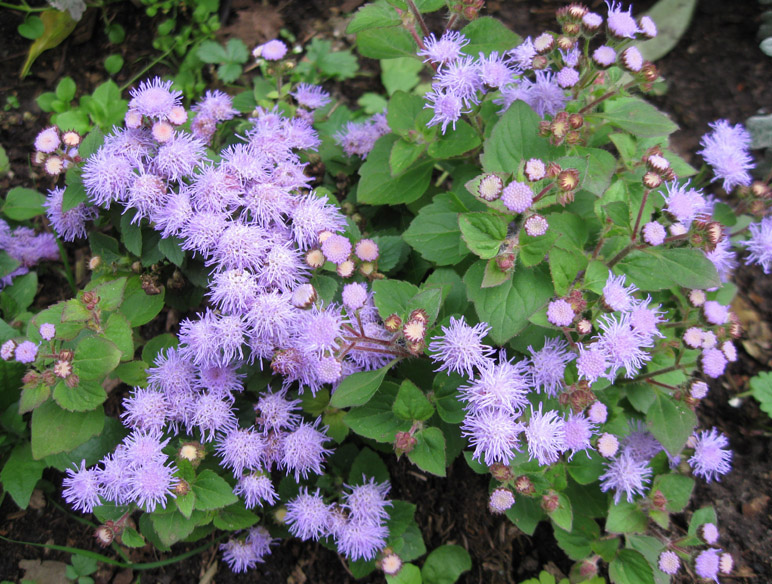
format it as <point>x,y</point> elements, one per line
<point>26,247</point>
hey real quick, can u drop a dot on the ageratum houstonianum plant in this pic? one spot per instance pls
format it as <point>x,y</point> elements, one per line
<point>512,265</point>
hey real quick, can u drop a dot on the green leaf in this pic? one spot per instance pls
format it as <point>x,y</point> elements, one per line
<point>400,74</point>
<point>446,397</point>
<point>172,527</point>
<point>445,564</point>
<point>74,192</point>
<point>402,111</point>
<point>32,397</point>
<point>564,267</point>
<point>651,548</point>
<point>211,52</point>
<point>455,142</point>
<point>514,138</point>
<point>22,204</point>
<point>90,144</point>
<point>55,430</point>
<point>403,155</point>
<point>118,330</point>
<point>373,15</point>
<point>93,449</point>
<point>411,403</point>
<point>65,89</point>
<point>21,473</point>
<point>357,389</point>
<point>638,117</point>
<point>526,513</point>
<point>487,34</point>
<point>408,574</point>
<point>677,490</point>
<point>131,538</point>
<point>701,517</point>
<point>21,294</point>
<point>212,491</point>
<point>131,234</point>
<point>671,423</point>
<point>378,187</point>
<point>7,264</point>
<point>393,252</point>
<point>110,293</point>
<point>57,26</point>
<point>76,120</point>
<point>435,233</point>
<point>132,373</point>
<point>156,345</point>
<point>626,518</point>
<point>106,107</point>
<point>600,168</point>
<point>32,28</point>
<point>429,451</point>
<point>428,300</point>
<point>483,233</point>
<point>104,246</point>
<point>237,51</point>
<point>393,296</point>
<point>563,515</point>
<point>95,358</point>
<point>508,307</point>
<point>229,72</point>
<point>761,389</point>
<point>673,18</point>
<point>85,397</point>
<point>577,543</point>
<point>630,567</point>
<point>113,64</point>
<point>375,419</point>
<point>659,269</point>
<point>234,518</point>
<point>140,308</point>
<point>386,43</point>
<point>367,465</point>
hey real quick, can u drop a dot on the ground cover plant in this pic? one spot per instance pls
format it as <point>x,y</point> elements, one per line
<point>574,244</point>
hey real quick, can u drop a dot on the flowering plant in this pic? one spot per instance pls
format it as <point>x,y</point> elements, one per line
<point>552,309</point>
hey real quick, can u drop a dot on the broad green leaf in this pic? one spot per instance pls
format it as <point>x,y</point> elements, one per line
<point>400,74</point>
<point>659,269</point>
<point>599,170</point>
<point>32,397</point>
<point>57,26</point>
<point>673,18</point>
<point>106,107</point>
<point>761,389</point>
<point>55,430</point>
<point>577,543</point>
<point>132,373</point>
<point>110,293</point>
<point>671,423</point>
<point>212,491</point>
<point>22,203</point>
<point>428,300</point>
<point>131,538</point>
<point>392,252</point>
<point>411,403</point>
<point>386,43</point>
<point>626,517</point>
<point>455,142</point>
<point>234,518</point>
<point>701,517</point>
<point>157,345</point>
<point>373,15</point>
<point>172,526</point>
<point>526,513</point>
<point>630,567</point>
<point>21,473</point>
<point>74,192</point>
<point>507,308</point>
<point>514,138</point>
<point>403,155</point>
<point>139,307</point>
<point>677,490</point>
<point>18,297</point>
<point>487,34</point>
<point>212,52</point>
<point>638,117</point>
<point>650,547</point>
<point>85,397</point>
<point>367,465</point>
<point>8,264</point>
<point>357,389</point>
<point>393,297</point>
<point>429,451</point>
<point>378,187</point>
<point>445,564</point>
<point>435,234</point>
<point>402,111</point>
<point>90,144</point>
<point>408,574</point>
<point>131,233</point>
<point>95,358</point>
<point>375,419</point>
<point>563,515</point>
<point>118,330</point>
<point>483,233</point>
<point>564,268</point>
<point>32,28</point>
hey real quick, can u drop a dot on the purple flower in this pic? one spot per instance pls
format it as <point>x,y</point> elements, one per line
<point>146,194</point>
<point>460,78</point>
<point>151,483</point>
<point>240,449</point>
<point>517,197</point>
<point>140,447</point>
<point>560,312</point>
<point>212,414</point>
<point>522,55</point>
<point>47,141</point>
<point>715,313</point>
<point>261,541</point>
<point>106,177</point>
<point>760,244</point>
<point>713,362</point>
<point>359,540</point>
<point>145,410</point>
<point>725,149</point>
<point>312,215</point>
<point>544,95</point>
<point>304,449</point>
<point>493,71</point>
<point>567,77</point>
<point>273,50</point>
<point>626,475</point>
<point>26,352</point>
<point>47,331</point>
<point>239,555</point>
<point>494,435</point>
<point>616,295</point>
<point>114,481</point>
<point>447,107</point>
<point>336,248</point>
<point>154,98</point>
<point>320,329</point>
<point>707,564</point>
<point>216,106</point>
<point>709,533</point>
<point>621,24</point>
<point>644,320</point>
<point>684,203</point>
<point>276,412</point>
<point>171,373</point>
<point>500,500</point>
<point>500,385</point>
<point>256,488</point>
<point>367,502</point>
<point>592,362</point>
<point>234,291</point>
<point>71,224</point>
<point>604,56</point>
<point>669,562</point>
<point>460,347</point>
<point>623,345</point>
<point>307,515</point>
<point>272,317</point>
<point>546,436</point>
<point>598,413</point>
<point>358,138</point>
<point>724,259</point>
<point>310,96</point>
<point>547,365</point>
<point>81,488</point>
<point>641,444</point>
<point>354,296</point>
<point>283,267</point>
<point>710,459</point>
<point>448,48</point>
<point>578,433</point>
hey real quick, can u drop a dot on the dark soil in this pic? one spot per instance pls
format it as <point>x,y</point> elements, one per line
<point>716,71</point>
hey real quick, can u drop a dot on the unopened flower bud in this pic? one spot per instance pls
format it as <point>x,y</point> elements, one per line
<point>71,139</point>
<point>553,169</point>
<point>404,443</point>
<point>566,43</point>
<point>505,262</point>
<point>94,263</point>
<point>419,314</point>
<point>500,500</point>
<point>544,43</point>
<point>414,331</point>
<point>651,179</point>
<point>568,179</point>
<point>632,59</point>
<point>760,189</point>
<point>315,258</point>
<point>62,369</point>
<point>49,378</point>
<point>39,158</point>
<point>30,378</point>
<point>367,269</point>
<point>104,534</point>
<point>193,452</point>
<point>346,269</point>
<point>550,502</point>
<point>66,354</point>
<point>659,500</point>
<point>133,119</point>
<point>535,169</point>
<point>536,225</point>
<point>501,472</point>
<point>588,569</point>
<point>608,444</point>
<point>280,515</point>
<point>576,121</point>
<point>576,11</point>
<point>182,488</point>
<point>303,296</point>
<point>539,62</point>
<point>649,72</point>
<point>573,138</point>
<point>726,563</point>
<point>390,563</point>
<point>416,347</point>
<point>393,323</point>
<point>570,29</point>
<point>524,485</point>
<point>490,187</point>
<point>54,165</point>
<point>72,381</point>
<point>584,327</point>
<point>735,328</point>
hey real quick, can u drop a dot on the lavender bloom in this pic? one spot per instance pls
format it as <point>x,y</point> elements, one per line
<point>171,374</point>
<point>684,203</point>
<point>106,177</point>
<point>140,447</point>
<point>239,555</point>
<point>725,149</point>
<point>560,312</point>
<point>310,96</point>
<point>234,291</point>
<point>724,259</point>
<point>494,435</point>
<point>598,413</point>
<point>654,233</point>
<point>261,541</point>
<point>460,347</point>
<point>493,70</point>
<point>145,410</point>
<point>707,564</point>
<point>448,48</point>
<point>544,95</point>
<point>47,331</point>
<point>114,481</point>
<point>713,362</point>
<point>462,79</point>
<point>276,412</point>
<point>616,295</point>
<point>154,99</point>
<point>215,105</point>
<point>256,488</point>
<point>354,296</point>
<point>273,50</point>
<point>522,55</point>
<point>621,24</point>
<point>357,138</point>
<point>669,562</point>
<point>578,432</point>
<point>70,225</point>
<point>626,475</point>
<point>211,414</point>
<point>311,216</point>
<point>81,488</point>
<point>179,156</point>
<point>151,483</point>
<point>500,385</point>
<point>710,460</point>
<point>307,515</point>
<point>26,352</point>
<point>500,500</point>
<point>240,449</point>
<point>47,141</point>
<point>447,107</point>
<point>546,436</point>
<point>623,345</point>
<point>517,197</point>
<point>320,329</point>
<point>367,502</point>
<point>304,449</point>
<point>760,244</point>
<point>644,320</point>
<point>361,540</point>
<point>604,56</point>
<point>640,444</point>
<point>592,362</point>
<point>547,365</point>
<point>567,77</point>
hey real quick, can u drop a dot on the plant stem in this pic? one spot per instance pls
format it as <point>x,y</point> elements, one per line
<point>645,376</point>
<point>605,96</point>
<point>543,192</point>
<point>451,22</point>
<point>640,214</point>
<point>66,264</point>
<point>418,17</point>
<point>25,8</point>
<point>620,255</point>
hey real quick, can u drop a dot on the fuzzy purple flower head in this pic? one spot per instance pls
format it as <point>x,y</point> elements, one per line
<point>460,348</point>
<point>726,150</point>
<point>711,458</point>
